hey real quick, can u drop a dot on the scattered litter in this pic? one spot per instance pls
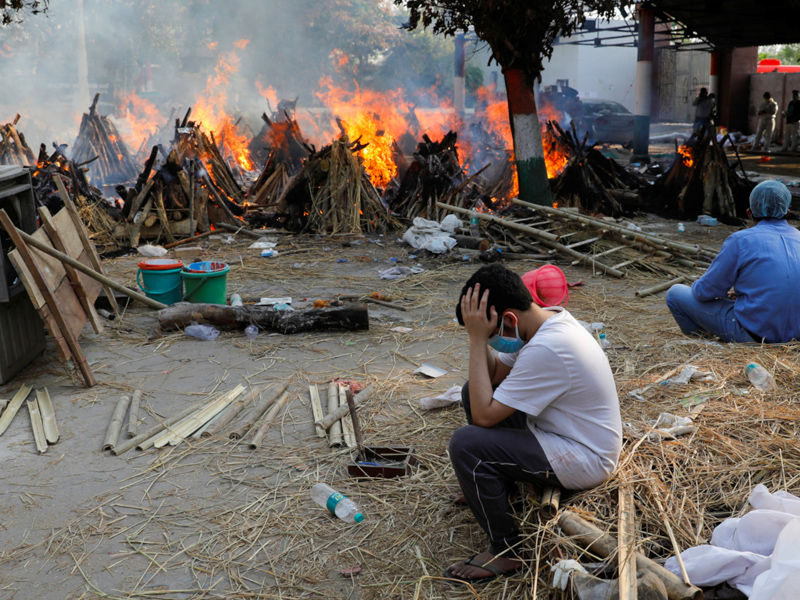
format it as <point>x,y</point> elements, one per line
<point>342,260</point>
<point>450,397</point>
<point>151,251</point>
<point>350,571</point>
<point>401,329</point>
<point>202,332</point>
<point>670,426</point>
<point>429,370</point>
<point>687,374</point>
<point>283,306</point>
<point>269,253</point>
<point>562,570</point>
<point>273,301</point>
<point>263,243</point>
<point>432,236</point>
<point>707,221</point>
<point>399,272</point>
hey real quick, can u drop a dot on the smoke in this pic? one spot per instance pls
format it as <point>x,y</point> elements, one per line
<point>167,51</point>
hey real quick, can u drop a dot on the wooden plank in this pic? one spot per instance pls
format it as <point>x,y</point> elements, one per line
<point>55,309</point>
<point>73,276</point>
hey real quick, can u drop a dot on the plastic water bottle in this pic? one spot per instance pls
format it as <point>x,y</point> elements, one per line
<point>604,343</point>
<point>759,377</point>
<point>681,228</point>
<point>474,227</point>
<point>342,507</point>
<point>236,300</point>
<point>251,331</point>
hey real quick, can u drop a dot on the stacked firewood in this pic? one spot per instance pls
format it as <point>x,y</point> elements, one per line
<point>286,149</point>
<point>13,148</point>
<point>590,180</point>
<point>100,145</point>
<point>333,194</point>
<point>701,181</point>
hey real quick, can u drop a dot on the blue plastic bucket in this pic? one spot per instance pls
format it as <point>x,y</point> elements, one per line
<point>160,279</point>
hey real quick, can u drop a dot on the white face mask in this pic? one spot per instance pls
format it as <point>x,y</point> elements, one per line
<point>507,345</point>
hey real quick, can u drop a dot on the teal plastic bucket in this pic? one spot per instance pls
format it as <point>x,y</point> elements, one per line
<point>160,279</point>
<point>206,287</point>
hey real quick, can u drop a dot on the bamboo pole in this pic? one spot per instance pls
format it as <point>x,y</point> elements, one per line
<point>48,416</point>
<point>316,409</point>
<point>149,433</point>
<point>337,414</point>
<point>133,413</point>
<point>348,432</point>
<point>605,546</point>
<point>36,424</point>
<point>627,543</point>
<point>11,410</point>
<point>249,427</point>
<point>115,425</point>
<point>674,541</point>
<point>335,433</point>
<point>537,233</point>
<point>33,242</point>
<point>255,443</point>
<point>659,288</point>
<point>232,410</point>
<point>551,498</point>
<point>181,430</point>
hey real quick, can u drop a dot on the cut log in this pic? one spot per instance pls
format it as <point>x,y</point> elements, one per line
<point>180,315</point>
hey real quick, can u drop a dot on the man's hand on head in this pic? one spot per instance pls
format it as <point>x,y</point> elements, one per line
<point>473,312</point>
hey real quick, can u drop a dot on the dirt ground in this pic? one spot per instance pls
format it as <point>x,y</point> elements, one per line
<point>213,519</point>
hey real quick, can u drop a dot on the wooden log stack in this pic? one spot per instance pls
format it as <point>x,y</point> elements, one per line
<point>14,149</point>
<point>100,145</point>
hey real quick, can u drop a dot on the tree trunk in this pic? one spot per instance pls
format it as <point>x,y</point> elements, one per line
<point>528,149</point>
<point>178,316</point>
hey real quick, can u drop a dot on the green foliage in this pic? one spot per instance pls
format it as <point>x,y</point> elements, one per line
<point>474,78</point>
<point>11,11</point>
<point>520,34</point>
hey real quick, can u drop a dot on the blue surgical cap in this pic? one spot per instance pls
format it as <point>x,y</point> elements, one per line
<point>770,200</point>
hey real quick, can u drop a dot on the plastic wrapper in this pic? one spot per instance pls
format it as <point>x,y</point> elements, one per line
<point>207,333</point>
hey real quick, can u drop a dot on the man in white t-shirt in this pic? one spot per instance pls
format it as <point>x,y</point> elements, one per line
<point>544,410</point>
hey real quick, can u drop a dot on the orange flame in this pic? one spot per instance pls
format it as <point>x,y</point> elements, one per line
<point>685,152</point>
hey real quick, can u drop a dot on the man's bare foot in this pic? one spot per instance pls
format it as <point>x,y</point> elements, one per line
<point>471,569</point>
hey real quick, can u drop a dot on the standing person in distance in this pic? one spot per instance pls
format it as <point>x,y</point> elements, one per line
<point>541,407</point>
<point>704,109</point>
<point>766,122</point>
<point>790,132</point>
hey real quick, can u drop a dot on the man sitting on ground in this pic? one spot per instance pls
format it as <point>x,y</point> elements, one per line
<point>762,265</point>
<point>543,410</point>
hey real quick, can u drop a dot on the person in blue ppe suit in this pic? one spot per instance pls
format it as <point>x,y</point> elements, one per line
<point>751,291</point>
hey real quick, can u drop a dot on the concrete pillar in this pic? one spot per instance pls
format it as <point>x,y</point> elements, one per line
<point>713,78</point>
<point>528,149</point>
<point>644,81</point>
<point>460,75</point>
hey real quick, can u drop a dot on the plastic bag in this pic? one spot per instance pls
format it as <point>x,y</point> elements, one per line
<point>562,570</point>
<point>207,333</point>
<point>151,251</point>
<point>451,396</point>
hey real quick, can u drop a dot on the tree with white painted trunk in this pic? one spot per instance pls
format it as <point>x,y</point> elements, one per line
<point>520,35</point>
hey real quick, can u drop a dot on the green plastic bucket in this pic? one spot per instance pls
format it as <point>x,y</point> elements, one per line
<point>160,279</point>
<point>206,287</point>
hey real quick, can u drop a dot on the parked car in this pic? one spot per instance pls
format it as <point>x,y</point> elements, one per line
<point>607,121</point>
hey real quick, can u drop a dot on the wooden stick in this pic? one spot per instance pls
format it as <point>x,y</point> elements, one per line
<point>36,424</point>
<point>237,229</point>
<point>12,408</point>
<point>149,433</point>
<point>551,498</point>
<point>335,433</point>
<point>672,539</point>
<point>249,426</point>
<point>604,546</point>
<point>627,544</point>
<point>133,413</point>
<point>32,241</point>
<point>162,212</point>
<point>18,237</point>
<point>115,425</point>
<point>234,409</point>
<point>255,443</point>
<point>659,288</point>
<point>189,239</point>
<point>351,406</point>
<point>337,414</point>
<point>48,416</point>
<point>316,409</point>
<point>348,432</point>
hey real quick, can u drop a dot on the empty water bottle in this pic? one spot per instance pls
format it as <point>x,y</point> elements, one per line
<point>236,300</point>
<point>604,343</point>
<point>681,228</point>
<point>251,331</point>
<point>474,226</point>
<point>759,377</point>
<point>342,507</point>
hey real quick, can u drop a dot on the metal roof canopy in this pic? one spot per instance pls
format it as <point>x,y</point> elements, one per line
<point>704,24</point>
